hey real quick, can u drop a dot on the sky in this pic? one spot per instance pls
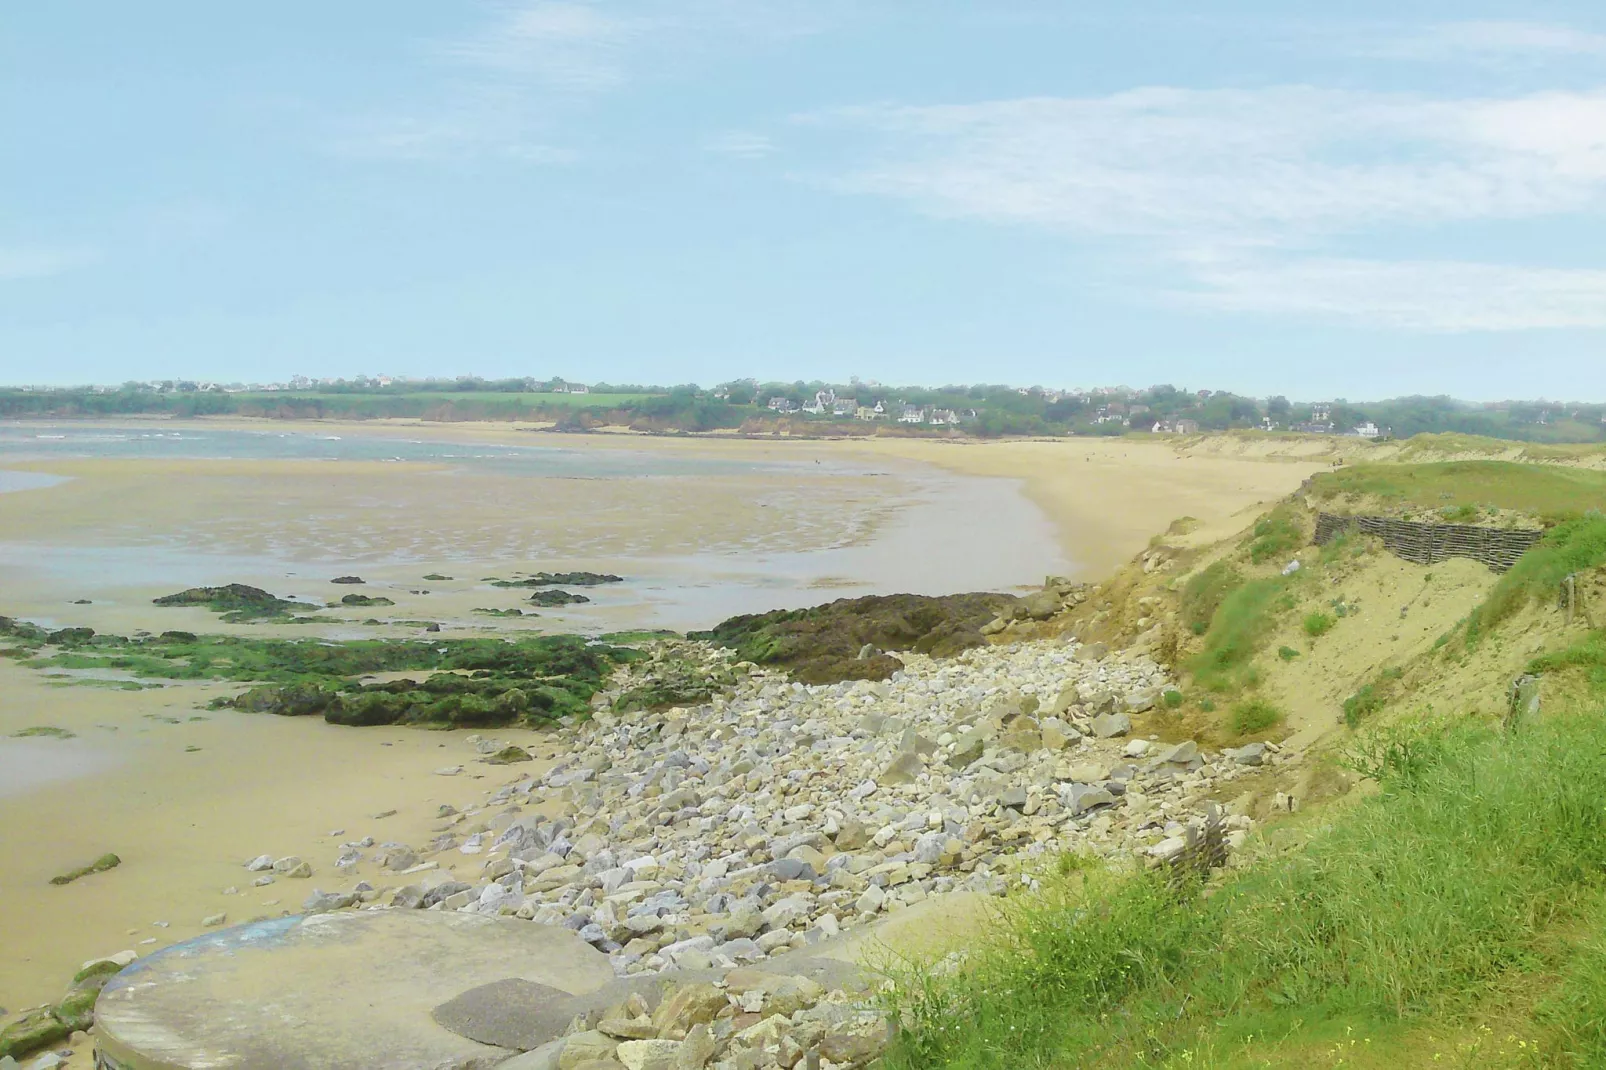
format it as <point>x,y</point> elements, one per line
<point>1360,200</point>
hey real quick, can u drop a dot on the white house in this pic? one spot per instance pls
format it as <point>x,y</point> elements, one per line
<point>912,415</point>
<point>779,404</point>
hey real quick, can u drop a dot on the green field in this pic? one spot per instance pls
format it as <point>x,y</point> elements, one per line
<point>1542,490</point>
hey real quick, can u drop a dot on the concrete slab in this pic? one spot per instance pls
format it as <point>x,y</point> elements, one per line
<point>350,990</point>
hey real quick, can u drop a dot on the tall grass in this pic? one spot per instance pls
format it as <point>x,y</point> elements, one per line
<point>1204,592</point>
<point>1571,546</point>
<point>1237,630</point>
<point>1412,905</point>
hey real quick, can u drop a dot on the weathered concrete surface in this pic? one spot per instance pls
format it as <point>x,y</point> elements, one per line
<point>346,990</point>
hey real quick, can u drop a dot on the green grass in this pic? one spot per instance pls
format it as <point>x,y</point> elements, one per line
<point>1587,655</point>
<point>48,731</point>
<point>1287,653</point>
<point>1572,546</point>
<point>1237,630</point>
<point>1372,697</point>
<point>1462,880</point>
<point>1541,490</point>
<point>1275,534</point>
<point>1172,698</point>
<point>1253,716</point>
<point>1204,592</point>
<point>1318,624</point>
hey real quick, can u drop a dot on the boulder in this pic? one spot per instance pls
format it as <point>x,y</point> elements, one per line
<point>903,769</point>
<point>968,749</point>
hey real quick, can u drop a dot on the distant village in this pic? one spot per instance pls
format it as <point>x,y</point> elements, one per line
<point>985,410</point>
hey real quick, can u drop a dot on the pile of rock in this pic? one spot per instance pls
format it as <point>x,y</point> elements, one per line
<point>745,1018</point>
<point>777,815</point>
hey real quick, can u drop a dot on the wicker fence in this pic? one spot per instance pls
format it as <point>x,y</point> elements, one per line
<point>1427,544</point>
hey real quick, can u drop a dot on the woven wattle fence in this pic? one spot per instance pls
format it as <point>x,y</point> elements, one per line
<point>1427,544</point>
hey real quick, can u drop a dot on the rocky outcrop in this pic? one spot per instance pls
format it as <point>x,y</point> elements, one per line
<point>853,638</point>
<point>237,602</point>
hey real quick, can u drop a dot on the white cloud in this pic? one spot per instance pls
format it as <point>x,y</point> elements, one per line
<point>1492,40</point>
<point>740,144</point>
<point>1416,295</point>
<point>1250,165</point>
<point>39,262</point>
<point>569,46</point>
<point>1204,178</point>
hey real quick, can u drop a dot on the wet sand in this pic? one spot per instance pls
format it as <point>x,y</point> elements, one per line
<point>184,821</point>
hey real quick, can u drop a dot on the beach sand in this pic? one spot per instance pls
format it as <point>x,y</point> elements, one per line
<point>185,820</point>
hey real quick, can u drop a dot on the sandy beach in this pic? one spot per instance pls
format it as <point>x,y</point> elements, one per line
<point>185,795</point>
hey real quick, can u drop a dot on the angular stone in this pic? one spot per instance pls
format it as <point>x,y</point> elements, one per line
<point>1182,754</point>
<point>1249,754</point>
<point>968,749</point>
<point>686,1007</point>
<point>648,1054</point>
<point>587,1047</point>
<point>1109,725</point>
<point>903,769</point>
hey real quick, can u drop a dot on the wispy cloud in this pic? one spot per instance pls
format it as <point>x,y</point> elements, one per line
<point>576,47</point>
<point>741,144</point>
<point>1414,295</point>
<point>1491,40</point>
<point>1204,178</point>
<point>509,84</point>
<point>39,261</point>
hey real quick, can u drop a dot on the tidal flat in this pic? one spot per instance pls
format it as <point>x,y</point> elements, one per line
<point>102,520</point>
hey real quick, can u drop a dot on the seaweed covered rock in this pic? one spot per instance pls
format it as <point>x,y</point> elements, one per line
<point>561,579</point>
<point>826,644</point>
<point>236,601</point>
<point>287,700</point>
<point>363,600</point>
<point>557,598</point>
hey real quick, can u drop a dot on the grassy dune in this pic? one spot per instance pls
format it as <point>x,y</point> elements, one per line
<point>1451,896</point>
<point>1458,486</point>
<point>1451,913</point>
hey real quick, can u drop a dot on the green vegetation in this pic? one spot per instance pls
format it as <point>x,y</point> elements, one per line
<point>99,865</point>
<point>1287,653</point>
<point>1204,592</point>
<point>46,730</point>
<point>1236,631</point>
<point>1456,889</point>
<point>1372,697</point>
<point>1172,698</point>
<point>1253,716</point>
<point>471,681</point>
<point>1276,533</point>
<point>1586,655</point>
<point>1540,490</point>
<point>1318,624</point>
<point>1572,546</point>
<point>239,603</point>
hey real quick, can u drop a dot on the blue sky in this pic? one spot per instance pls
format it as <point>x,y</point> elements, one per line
<point>1357,200</point>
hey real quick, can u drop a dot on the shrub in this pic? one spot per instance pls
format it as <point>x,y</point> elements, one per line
<point>1318,624</point>
<point>1255,715</point>
<point>1287,653</point>
<point>1172,698</point>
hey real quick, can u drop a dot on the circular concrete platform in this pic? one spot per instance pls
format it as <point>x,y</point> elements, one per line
<point>353,990</point>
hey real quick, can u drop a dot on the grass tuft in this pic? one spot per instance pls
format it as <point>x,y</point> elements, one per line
<point>1318,624</point>
<point>1255,715</point>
